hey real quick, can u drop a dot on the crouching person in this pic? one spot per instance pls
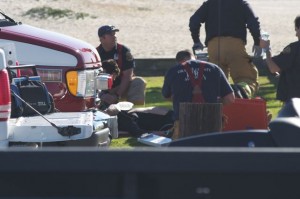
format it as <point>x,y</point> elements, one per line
<point>126,86</point>
<point>210,81</point>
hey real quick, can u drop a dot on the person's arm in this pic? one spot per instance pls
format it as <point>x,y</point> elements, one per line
<point>109,98</point>
<point>228,99</point>
<point>252,22</point>
<point>195,22</point>
<point>273,67</point>
<point>125,80</point>
<point>166,88</point>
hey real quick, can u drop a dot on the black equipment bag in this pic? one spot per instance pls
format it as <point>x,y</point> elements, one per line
<point>16,103</point>
<point>35,94</point>
<point>29,91</point>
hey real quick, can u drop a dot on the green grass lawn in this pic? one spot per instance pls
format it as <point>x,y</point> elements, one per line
<point>268,92</point>
<point>154,98</point>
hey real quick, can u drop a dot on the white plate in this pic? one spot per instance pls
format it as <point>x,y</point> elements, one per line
<point>124,106</point>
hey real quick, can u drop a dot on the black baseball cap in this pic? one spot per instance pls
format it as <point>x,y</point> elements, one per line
<point>107,29</point>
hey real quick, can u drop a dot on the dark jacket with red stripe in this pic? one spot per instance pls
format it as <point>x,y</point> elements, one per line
<point>122,55</point>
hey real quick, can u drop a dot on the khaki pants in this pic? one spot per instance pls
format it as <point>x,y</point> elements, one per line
<point>136,91</point>
<point>230,55</point>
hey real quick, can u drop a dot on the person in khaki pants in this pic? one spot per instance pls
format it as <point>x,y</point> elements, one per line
<point>178,87</point>
<point>226,23</point>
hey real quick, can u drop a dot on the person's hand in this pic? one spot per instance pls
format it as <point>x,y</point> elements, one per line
<point>112,110</point>
<point>109,98</point>
<point>257,51</point>
<point>198,45</point>
<point>265,44</point>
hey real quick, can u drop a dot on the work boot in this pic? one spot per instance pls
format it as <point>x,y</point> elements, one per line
<point>245,89</point>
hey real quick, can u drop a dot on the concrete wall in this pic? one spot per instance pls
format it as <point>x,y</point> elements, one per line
<point>153,67</point>
<point>158,66</point>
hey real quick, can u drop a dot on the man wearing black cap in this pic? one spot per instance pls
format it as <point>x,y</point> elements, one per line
<point>126,86</point>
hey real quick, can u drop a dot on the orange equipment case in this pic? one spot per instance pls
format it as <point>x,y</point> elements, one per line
<point>246,114</point>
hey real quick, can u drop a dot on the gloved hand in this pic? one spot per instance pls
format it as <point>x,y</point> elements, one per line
<point>198,45</point>
<point>257,51</point>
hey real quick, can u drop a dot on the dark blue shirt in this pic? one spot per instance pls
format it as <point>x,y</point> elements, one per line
<point>178,86</point>
<point>289,63</point>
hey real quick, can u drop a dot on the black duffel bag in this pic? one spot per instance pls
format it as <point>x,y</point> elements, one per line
<point>36,94</point>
